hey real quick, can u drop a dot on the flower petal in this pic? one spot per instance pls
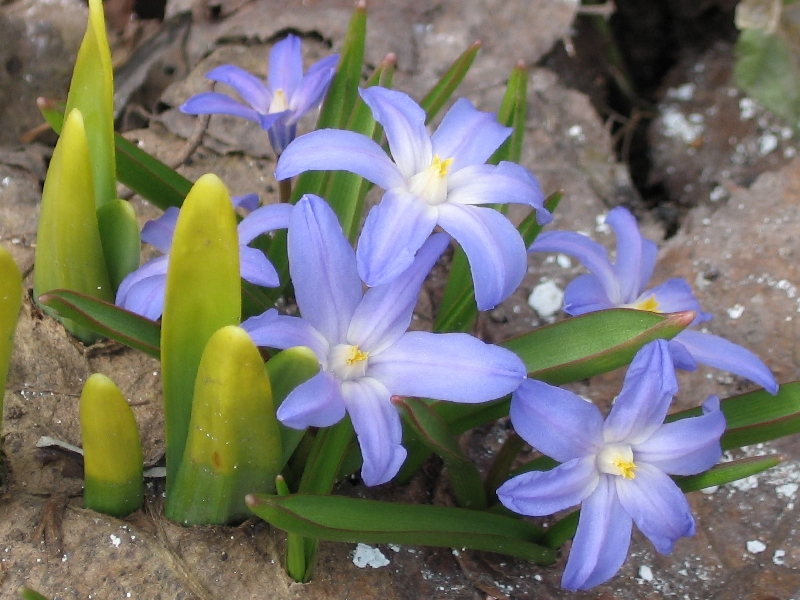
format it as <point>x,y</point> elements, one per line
<point>675,295</point>
<point>323,268</point>
<point>313,87</point>
<point>404,123</point>
<point>585,294</point>
<point>719,353</point>
<point>505,183</point>
<point>647,391</point>
<point>681,357</point>
<point>447,366</point>
<point>385,312</point>
<point>317,402</point>
<point>159,232</point>
<point>493,246</point>
<point>262,220</point>
<point>393,232</point>
<point>378,428</point>
<point>251,89</point>
<point>255,268</point>
<point>541,493</point>
<point>657,506</point>
<point>555,421</point>
<point>688,446</point>
<point>649,257</point>
<point>332,150</point>
<point>285,66</point>
<point>142,291</point>
<point>601,541</point>
<point>590,254</point>
<point>214,103</point>
<point>467,135</point>
<point>272,330</point>
<point>628,264</point>
<point>248,202</point>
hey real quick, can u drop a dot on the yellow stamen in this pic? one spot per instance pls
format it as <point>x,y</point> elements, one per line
<point>626,467</point>
<point>279,102</point>
<point>441,166</point>
<point>650,304</point>
<point>356,355</point>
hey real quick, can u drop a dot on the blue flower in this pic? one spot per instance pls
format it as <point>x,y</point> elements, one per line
<point>365,353</point>
<point>276,108</point>
<point>622,285</point>
<point>434,180</point>
<point>618,469</point>
<point>142,291</point>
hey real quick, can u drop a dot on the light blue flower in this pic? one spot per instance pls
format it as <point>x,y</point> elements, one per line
<point>434,180</point>
<point>364,349</point>
<point>276,108</point>
<point>142,291</point>
<point>618,469</point>
<point>622,285</point>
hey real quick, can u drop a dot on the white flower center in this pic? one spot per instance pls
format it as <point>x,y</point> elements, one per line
<point>617,459</point>
<point>279,102</point>
<point>430,184</point>
<point>347,362</point>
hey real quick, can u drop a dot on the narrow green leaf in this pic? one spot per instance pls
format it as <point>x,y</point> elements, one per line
<point>727,472</point>
<point>29,594</point>
<point>233,447</point>
<point>144,174</point>
<point>562,531</point>
<point>432,431</point>
<point>435,99</point>
<point>112,451</point>
<point>757,416</point>
<point>529,229</point>
<point>295,557</point>
<point>513,113</point>
<point>203,294</point>
<point>69,253</point>
<point>106,319</point>
<point>287,370</point>
<point>91,91</point>
<point>584,346</point>
<point>341,519</point>
<point>501,466</point>
<point>119,235</point>
<point>10,304</point>
<point>346,191</point>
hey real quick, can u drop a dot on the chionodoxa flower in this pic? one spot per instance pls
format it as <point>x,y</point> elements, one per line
<point>616,470</point>
<point>623,285</point>
<point>364,349</point>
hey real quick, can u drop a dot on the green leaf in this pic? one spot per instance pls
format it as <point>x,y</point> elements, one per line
<point>203,294</point>
<point>119,235</point>
<point>233,447</point>
<point>766,70</point>
<point>29,594</point>
<point>112,451</point>
<point>10,304</point>
<point>435,99</point>
<point>727,472</point>
<point>144,174</point>
<point>432,431</point>
<point>91,91</point>
<point>598,342</point>
<point>69,253</point>
<point>341,519</point>
<point>757,416</point>
<point>287,370</point>
<point>106,319</point>
<point>562,531</point>
<point>513,113</point>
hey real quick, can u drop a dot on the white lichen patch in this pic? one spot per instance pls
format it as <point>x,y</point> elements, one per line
<point>755,546</point>
<point>777,557</point>
<point>367,556</point>
<point>735,311</point>
<point>683,92</point>
<point>646,573</point>
<point>676,124</point>
<point>115,541</point>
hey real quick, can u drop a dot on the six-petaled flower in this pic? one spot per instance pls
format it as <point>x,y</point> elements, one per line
<point>364,349</point>
<point>433,180</point>
<point>622,284</point>
<point>278,107</point>
<point>618,469</point>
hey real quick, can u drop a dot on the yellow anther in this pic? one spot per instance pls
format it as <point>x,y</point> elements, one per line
<point>626,467</point>
<point>650,304</point>
<point>356,355</point>
<point>441,166</point>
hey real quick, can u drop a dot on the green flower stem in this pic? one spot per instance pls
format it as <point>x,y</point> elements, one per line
<point>502,464</point>
<point>112,451</point>
<point>10,303</point>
